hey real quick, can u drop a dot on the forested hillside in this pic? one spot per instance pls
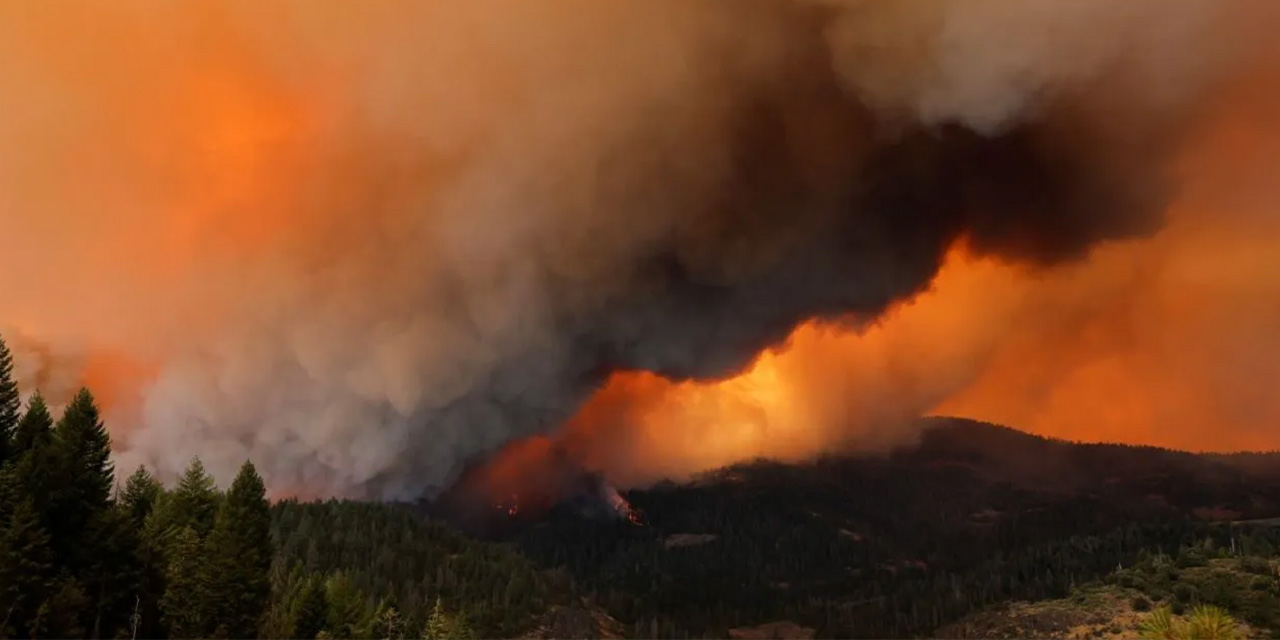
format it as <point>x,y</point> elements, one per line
<point>895,546</point>
<point>901,545</point>
<point>83,557</point>
<point>1224,584</point>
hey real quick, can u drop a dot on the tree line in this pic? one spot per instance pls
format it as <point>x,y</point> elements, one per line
<point>81,556</point>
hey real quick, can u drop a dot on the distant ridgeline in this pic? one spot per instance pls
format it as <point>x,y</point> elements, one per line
<point>897,545</point>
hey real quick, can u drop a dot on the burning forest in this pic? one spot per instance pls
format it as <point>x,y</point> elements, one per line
<point>533,252</point>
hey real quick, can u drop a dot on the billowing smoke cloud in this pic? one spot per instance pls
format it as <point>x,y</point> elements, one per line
<point>361,243</point>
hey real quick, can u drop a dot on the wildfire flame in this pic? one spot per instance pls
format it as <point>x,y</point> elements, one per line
<point>187,173</point>
<point>621,507</point>
<point>512,506</point>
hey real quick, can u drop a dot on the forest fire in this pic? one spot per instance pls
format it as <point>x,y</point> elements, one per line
<point>364,264</point>
<point>525,481</point>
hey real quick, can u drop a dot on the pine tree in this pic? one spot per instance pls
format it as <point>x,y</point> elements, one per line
<point>186,601</point>
<point>240,555</point>
<point>25,568</point>
<point>35,429</point>
<point>141,493</point>
<point>194,503</point>
<point>60,615</point>
<point>85,448</point>
<point>460,627</point>
<point>114,577</point>
<point>346,606</point>
<point>386,622</point>
<point>155,538</point>
<point>10,404</point>
<point>79,500</point>
<point>437,624</point>
<point>32,463</point>
<point>312,612</point>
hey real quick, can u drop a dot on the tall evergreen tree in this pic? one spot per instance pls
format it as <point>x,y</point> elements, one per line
<point>347,606</point>
<point>35,429</point>
<point>141,493</point>
<point>312,612</point>
<point>33,462</point>
<point>10,404</point>
<point>194,503</point>
<point>185,605</point>
<point>386,623</point>
<point>25,569</point>
<point>437,627</point>
<point>78,499</point>
<point>61,614</point>
<point>240,554</point>
<point>114,577</point>
<point>84,458</point>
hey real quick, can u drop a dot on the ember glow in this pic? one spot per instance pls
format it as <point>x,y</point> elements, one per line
<point>368,244</point>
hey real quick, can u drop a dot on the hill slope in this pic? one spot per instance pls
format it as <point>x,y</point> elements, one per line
<point>893,545</point>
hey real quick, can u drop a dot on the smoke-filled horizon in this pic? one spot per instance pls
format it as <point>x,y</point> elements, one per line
<point>362,244</point>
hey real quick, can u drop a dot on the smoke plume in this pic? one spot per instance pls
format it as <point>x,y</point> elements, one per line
<point>363,243</point>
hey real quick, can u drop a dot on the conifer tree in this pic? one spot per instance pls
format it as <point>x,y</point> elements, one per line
<point>84,476</point>
<point>25,568</point>
<point>60,615</point>
<point>240,555</point>
<point>114,576</point>
<point>194,503</point>
<point>346,606</point>
<point>10,404</point>
<point>386,623</point>
<point>437,627</point>
<point>35,429</point>
<point>32,462</point>
<point>186,601</point>
<point>312,612</point>
<point>460,627</point>
<point>78,499</point>
<point>141,493</point>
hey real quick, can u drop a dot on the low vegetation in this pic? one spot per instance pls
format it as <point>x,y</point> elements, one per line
<point>1224,585</point>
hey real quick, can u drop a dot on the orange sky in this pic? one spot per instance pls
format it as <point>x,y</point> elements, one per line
<point>176,182</point>
<point>1171,341</point>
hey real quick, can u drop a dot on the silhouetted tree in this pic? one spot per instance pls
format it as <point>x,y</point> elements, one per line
<point>141,493</point>
<point>187,601</point>
<point>239,550</point>
<point>312,612</point>
<point>10,403</point>
<point>25,568</point>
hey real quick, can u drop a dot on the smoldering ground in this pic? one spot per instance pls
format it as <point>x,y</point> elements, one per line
<point>361,244</point>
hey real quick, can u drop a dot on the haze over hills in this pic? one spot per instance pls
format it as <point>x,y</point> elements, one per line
<point>896,544</point>
<point>877,546</point>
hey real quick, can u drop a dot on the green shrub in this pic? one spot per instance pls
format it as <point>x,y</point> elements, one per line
<point>1160,625</point>
<point>1211,623</point>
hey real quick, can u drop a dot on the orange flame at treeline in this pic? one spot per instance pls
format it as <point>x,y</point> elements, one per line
<point>1168,341</point>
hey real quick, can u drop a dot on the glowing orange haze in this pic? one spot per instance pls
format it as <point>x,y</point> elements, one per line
<point>1127,347</point>
<point>1172,341</point>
